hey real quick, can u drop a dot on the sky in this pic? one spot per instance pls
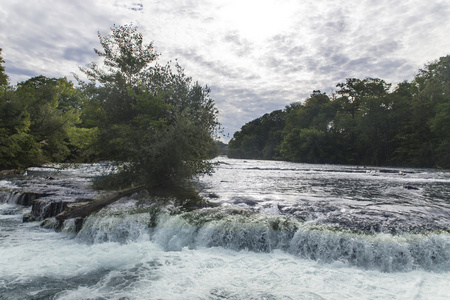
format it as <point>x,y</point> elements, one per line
<point>255,55</point>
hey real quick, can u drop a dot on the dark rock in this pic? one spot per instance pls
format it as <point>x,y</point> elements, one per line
<point>391,171</point>
<point>410,187</point>
<point>213,196</point>
<point>27,218</point>
<point>78,224</point>
<point>246,201</point>
<point>42,209</point>
<point>26,199</point>
<point>50,223</point>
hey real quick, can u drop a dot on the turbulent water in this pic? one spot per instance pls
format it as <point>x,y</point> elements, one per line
<point>275,230</point>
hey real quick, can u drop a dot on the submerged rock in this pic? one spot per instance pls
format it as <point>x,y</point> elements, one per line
<point>410,187</point>
<point>11,172</point>
<point>27,218</point>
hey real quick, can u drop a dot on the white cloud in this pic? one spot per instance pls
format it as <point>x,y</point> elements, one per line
<point>257,55</point>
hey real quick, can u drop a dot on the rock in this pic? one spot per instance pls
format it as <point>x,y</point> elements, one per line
<point>27,218</point>
<point>50,223</point>
<point>11,172</point>
<point>410,187</point>
<point>26,199</point>
<point>42,208</point>
<point>392,171</point>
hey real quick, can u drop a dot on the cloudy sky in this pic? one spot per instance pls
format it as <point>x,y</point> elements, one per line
<point>256,55</point>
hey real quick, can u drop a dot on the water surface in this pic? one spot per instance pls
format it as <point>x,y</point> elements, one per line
<point>279,231</point>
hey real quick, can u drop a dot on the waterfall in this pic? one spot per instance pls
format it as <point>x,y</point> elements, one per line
<point>16,197</point>
<point>242,231</point>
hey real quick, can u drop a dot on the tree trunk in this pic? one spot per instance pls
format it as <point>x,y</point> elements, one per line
<point>83,210</point>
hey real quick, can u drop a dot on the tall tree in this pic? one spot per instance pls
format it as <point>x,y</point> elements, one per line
<point>306,136</point>
<point>151,118</point>
<point>435,87</point>
<point>17,147</point>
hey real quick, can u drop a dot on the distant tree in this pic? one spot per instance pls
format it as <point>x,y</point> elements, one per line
<point>222,148</point>
<point>306,136</point>
<point>153,121</point>
<point>355,124</point>
<point>305,145</point>
<point>353,90</point>
<point>433,103</point>
<point>315,112</point>
<point>365,123</point>
<point>260,138</point>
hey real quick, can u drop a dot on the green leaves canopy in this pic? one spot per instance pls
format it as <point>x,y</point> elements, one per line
<point>38,120</point>
<point>364,123</point>
<point>152,120</point>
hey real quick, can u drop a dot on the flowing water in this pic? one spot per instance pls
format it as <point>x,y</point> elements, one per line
<point>276,230</point>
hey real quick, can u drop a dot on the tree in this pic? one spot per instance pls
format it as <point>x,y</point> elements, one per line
<point>3,76</point>
<point>52,106</point>
<point>365,123</point>
<point>260,138</point>
<point>17,147</point>
<point>306,136</point>
<point>355,125</point>
<point>353,90</point>
<point>423,139</point>
<point>436,87</point>
<point>305,145</point>
<point>35,129</point>
<point>153,121</point>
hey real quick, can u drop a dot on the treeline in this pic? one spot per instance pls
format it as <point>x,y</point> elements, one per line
<point>40,121</point>
<point>365,122</point>
<point>152,119</point>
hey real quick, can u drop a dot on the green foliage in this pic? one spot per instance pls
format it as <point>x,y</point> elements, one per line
<point>158,125</point>
<point>364,123</point>
<point>17,147</point>
<point>153,121</point>
<point>260,138</point>
<point>38,123</point>
<point>3,76</point>
<point>306,145</point>
<point>52,106</point>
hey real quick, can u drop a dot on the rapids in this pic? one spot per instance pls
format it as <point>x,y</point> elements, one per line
<point>275,230</point>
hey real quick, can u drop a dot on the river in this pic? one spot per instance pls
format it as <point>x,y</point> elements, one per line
<point>277,230</point>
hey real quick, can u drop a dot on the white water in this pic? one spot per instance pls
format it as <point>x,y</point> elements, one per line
<point>51,264</point>
<point>117,256</point>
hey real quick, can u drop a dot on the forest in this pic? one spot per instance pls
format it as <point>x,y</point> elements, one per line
<point>152,120</point>
<point>160,126</point>
<point>364,122</point>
